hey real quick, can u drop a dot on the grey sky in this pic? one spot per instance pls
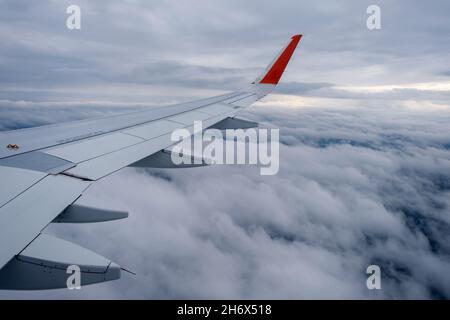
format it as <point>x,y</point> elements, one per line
<point>364,122</point>
<point>213,45</point>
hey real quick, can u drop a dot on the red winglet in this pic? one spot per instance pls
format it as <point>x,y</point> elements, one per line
<point>277,68</point>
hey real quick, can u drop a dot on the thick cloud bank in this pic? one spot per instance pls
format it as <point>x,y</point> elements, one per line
<point>365,161</point>
<point>356,186</point>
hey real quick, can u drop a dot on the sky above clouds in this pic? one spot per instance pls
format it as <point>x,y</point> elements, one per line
<point>133,50</point>
<point>364,125</point>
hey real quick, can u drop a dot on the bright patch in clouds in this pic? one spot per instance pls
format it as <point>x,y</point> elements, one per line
<point>433,86</point>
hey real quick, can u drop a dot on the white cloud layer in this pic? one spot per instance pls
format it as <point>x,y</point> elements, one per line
<point>356,186</point>
<point>364,175</point>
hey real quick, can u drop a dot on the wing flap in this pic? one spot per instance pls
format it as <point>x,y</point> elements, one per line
<point>99,167</point>
<point>112,143</point>
<point>43,265</point>
<point>217,109</point>
<point>20,179</point>
<point>188,118</point>
<point>152,129</point>
<point>32,210</point>
<point>91,148</point>
<point>234,123</point>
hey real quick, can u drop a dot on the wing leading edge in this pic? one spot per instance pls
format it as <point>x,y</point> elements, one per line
<point>45,170</point>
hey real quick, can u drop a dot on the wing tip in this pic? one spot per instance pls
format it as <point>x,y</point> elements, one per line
<point>276,70</point>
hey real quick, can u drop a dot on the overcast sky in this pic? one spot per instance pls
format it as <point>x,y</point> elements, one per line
<point>364,119</point>
<point>128,51</point>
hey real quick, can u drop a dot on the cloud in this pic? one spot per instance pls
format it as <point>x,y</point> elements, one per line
<point>132,41</point>
<point>356,186</point>
<point>188,75</point>
<point>419,91</point>
<point>364,158</point>
<point>24,114</point>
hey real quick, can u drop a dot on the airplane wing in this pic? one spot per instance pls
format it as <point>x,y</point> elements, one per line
<point>45,170</point>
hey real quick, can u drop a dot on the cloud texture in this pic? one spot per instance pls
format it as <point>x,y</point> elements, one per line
<point>364,162</point>
<point>356,186</point>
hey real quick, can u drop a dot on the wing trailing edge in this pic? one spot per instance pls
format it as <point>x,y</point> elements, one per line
<point>44,264</point>
<point>234,123</point>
